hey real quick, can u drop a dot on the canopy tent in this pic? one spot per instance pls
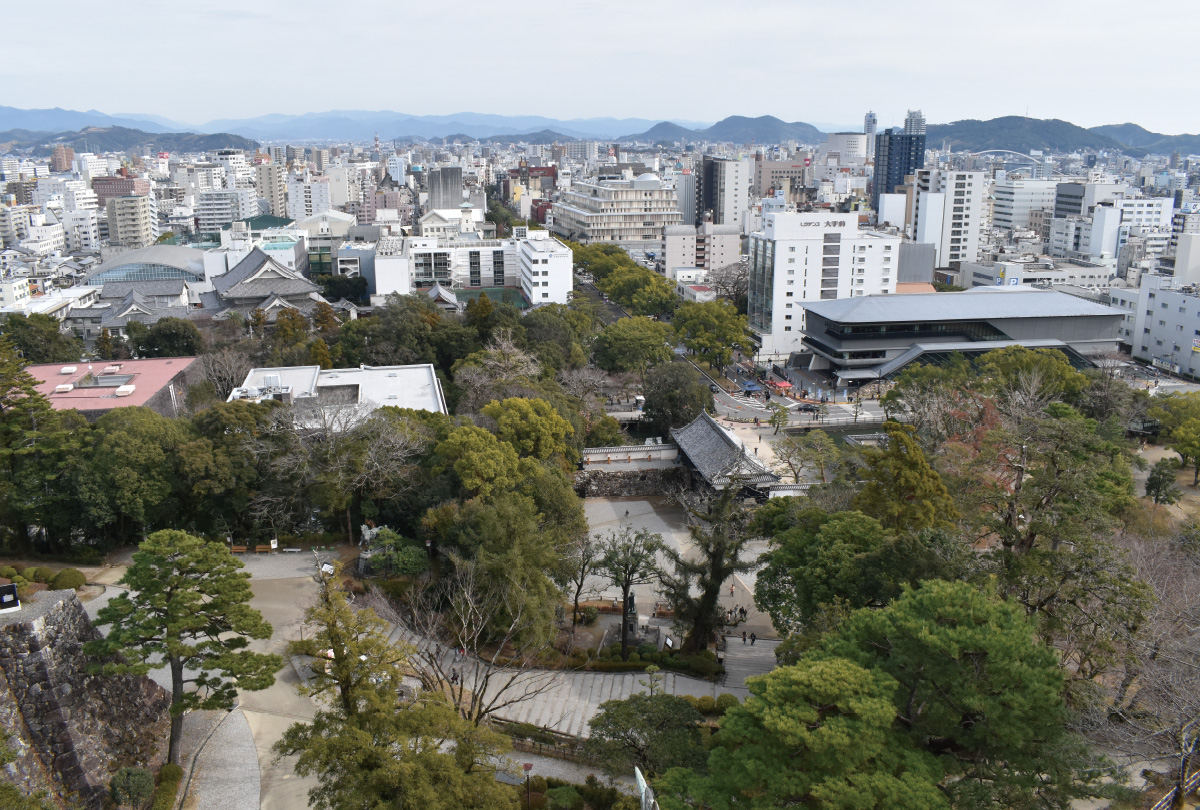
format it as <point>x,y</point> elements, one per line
<point>751,387</point>
<point>779,383</point>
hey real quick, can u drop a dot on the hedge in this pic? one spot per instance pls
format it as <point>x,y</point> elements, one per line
<point>68,579</point>
<point>169,777</point>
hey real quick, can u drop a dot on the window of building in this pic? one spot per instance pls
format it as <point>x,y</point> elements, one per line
<point>789,295</point>
<point>787,328</point>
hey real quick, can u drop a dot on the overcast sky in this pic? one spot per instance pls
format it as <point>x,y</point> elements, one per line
<point>1087,61</point>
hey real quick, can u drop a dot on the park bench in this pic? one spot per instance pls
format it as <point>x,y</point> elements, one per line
<point>292,550</point>
<point>262,549</point>
<point>238,549</point>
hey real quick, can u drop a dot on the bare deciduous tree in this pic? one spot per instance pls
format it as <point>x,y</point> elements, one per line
<point>583,383</point>
<point>490,622</point>
<point>730,281</point>
<point>226,368</point>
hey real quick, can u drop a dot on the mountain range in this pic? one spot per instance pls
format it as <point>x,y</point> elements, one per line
<point>735,128</point>
<point>1009,132</point>
<point>120,139</point>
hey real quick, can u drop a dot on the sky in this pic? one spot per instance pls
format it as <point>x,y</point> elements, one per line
<point>1094,62</point>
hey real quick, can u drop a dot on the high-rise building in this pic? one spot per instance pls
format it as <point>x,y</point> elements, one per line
<point>869,124</point>
<point>708,247</point>
<point>271,185</point>
<point>321,159</point>
<point>61,158</point>
<point>445,188</point>
<point>898,153</point>
<point>948,213</point>
<point>131,221</point>
<point>722,190</point>
<point>797,258</point>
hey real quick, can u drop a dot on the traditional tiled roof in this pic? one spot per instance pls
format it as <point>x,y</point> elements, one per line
<point>258,276</point>
<point>718,455</point>
<point>119,289</point>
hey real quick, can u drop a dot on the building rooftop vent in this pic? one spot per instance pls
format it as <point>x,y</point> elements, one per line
<point>125,390</point>
<point>68,370</point>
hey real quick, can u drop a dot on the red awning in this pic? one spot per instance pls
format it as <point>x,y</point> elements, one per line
<point>778,384</point>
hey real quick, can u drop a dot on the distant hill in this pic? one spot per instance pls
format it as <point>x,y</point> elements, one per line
<point>122,139</point>
<point>58,120</point>
<point>1151,143</point>
<point>736,128</point>
<point>1018,134</point>
<point>545,136</point>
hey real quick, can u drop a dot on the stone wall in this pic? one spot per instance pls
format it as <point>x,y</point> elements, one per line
<point>71,730</point>
<point>597,483</point>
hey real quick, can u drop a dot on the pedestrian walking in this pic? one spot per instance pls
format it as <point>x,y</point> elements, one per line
<point>743,614</point>
<point>752,638</point>
<point>731,589</point>
<point>743,636</point>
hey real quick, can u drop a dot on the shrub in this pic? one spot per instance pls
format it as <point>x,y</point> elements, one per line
<point>706,704</point>
<point>725,702</point>
<point>409,561</point>
<point>615,650</point>
<point>646,648</point>
<point>537,784</point>
<point>634,658</point>
<point>169,777</point>
<point>44,574</point>
<point>393,589</point>
<point>589,615</point>
<point>564,798</point>
<point>19,581</point>
<point>131,786</point>
<point>8,572</point>
<point>68,579</point>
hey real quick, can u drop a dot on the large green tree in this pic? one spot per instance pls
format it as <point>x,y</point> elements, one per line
<point>484,464</point>
<point>902,489</point>
<point>39,339</point>
<point>169,337</point>
<point>651,732</point>
<point>719,529</point>
<point>633,344</point>
<point>711,330</point>
<point>186,608</point>
<point>978,691</point>
<point>675,395</point>
<point>819,734</point>
<point>532,426</point>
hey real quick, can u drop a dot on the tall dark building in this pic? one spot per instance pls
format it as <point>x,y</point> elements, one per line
<point>898,153</point>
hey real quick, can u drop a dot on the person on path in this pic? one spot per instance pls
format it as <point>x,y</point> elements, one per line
<point>731,589</point>
<point>743,636</point>
<point>752,638</point>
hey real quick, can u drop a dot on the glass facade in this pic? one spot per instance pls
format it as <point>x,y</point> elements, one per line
<point>143,272</point>
<point>760,290</point>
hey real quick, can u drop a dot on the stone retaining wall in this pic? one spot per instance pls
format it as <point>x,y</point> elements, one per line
<point>71,730</point>
<point>597,483</point>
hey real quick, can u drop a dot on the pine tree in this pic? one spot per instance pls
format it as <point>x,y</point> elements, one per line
<point>187,608</point>
<point>902,490</point>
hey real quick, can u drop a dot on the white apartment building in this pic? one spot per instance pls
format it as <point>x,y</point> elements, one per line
<point>220,207</point>
<point>1036,271</point>
<point>14,292</point>
<point>238,172</point>
<point>1015,199</point>
<point>630,213</point>
<point>89,166</point>
<point>82,230</point>
<point>308,196</point>
<point>15,221</point>
<point>540,266</point>
<point>948,213</point>
<point>798,258</point>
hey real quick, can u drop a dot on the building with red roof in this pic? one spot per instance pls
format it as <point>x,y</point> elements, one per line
<point>94,389</point>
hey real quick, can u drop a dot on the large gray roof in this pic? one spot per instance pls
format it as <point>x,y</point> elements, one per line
<point>718,455</point>
<point>119,289</point>
<point>979,304</point>
<point>183,258</point>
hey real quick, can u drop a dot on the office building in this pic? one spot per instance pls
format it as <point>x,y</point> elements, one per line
<point>898,153</point>
<point>1090,237</point>
<point>108,187</point>
<point>630,213</point>
<point>1185,220</point>
<point>546,268</point>
<point>870,122</point>
<point>1014,200</point>
<point>948,213</point>
<point>800,258</point>
<point>722,190</point>
<point>771,176</point>
<point>1080,199</point>
<point>860,340</point>
<point>61,158</point>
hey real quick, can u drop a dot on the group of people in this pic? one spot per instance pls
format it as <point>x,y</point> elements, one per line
<point>735,614</point>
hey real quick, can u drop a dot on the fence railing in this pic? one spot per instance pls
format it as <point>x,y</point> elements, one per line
<point>1188,786</point>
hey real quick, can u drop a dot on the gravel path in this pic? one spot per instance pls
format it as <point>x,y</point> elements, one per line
<point>553,767</point>
<point>226,775</point>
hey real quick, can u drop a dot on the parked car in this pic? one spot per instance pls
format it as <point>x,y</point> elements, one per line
<point>807,407</point>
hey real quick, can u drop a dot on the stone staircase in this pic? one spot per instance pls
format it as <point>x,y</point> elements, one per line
<point>743,661</point>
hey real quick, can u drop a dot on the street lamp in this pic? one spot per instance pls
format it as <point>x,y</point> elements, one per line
<point>528,766</point>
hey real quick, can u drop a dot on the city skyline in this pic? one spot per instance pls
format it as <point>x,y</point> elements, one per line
<point>978,63</point>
